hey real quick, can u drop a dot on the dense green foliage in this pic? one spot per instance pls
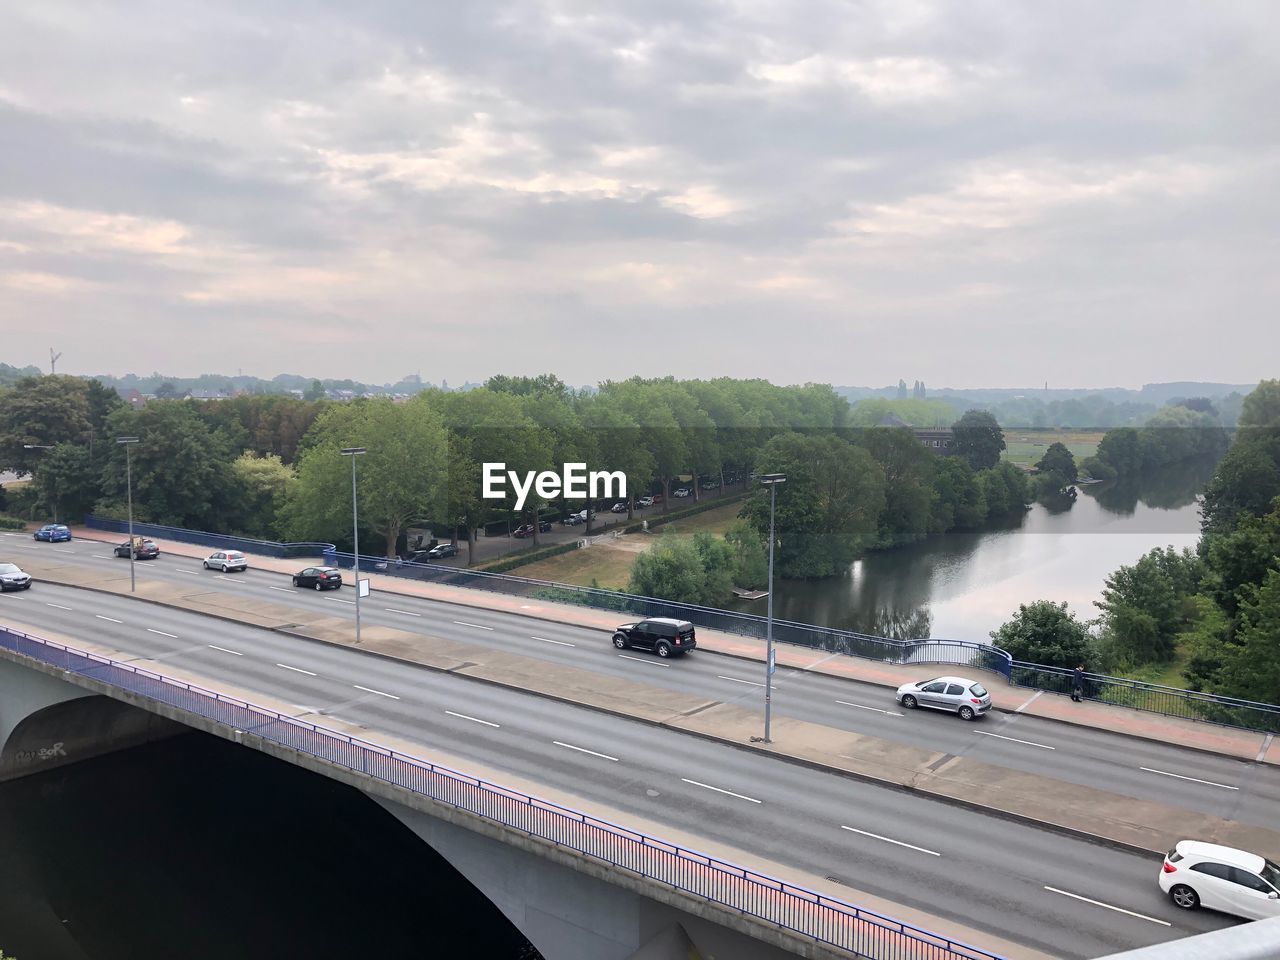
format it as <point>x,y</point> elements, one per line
<point>267,466</point>
<point>1056,470</point>
<point>1218,608</point>
<point>1174,434</point>
<point>977,437</point>
<point>1047,633</point>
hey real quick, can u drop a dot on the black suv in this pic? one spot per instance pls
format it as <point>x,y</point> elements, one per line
<point>665,636</point>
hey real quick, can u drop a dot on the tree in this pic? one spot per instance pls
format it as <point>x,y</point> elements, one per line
<point>1241,557</point>
<point>1261,408</point>
<point>1245,482</point>
<point>70,483</point>
<point>751,556</point>
<point>719,563</point>
<point>314,392</point>
<point>1144,606</point>
<point>671,569</point>
<point>828,507</point>
<point>978,438</point>
<point>493,428</point>
<point>902,389</point>
<point>1251,663</point>
<point>262,488</point>
<point>958,500</point>
<point>402,477</point>
<point>1045,632</point>
<point>41,411</point>
<point>1005,489</point>
<point>1057,469</point>
<point>180,474</point>
<point>908,470</point>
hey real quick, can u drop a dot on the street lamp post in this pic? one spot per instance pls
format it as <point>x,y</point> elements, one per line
<point>354,452</point>
<point>43,446</point>
<point>128,472</point>
<point>771,480</point>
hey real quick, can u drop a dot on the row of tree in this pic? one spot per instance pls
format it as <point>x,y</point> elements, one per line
<point>1187,430</point>
<point>269,466</point>
<point>1216,608</point>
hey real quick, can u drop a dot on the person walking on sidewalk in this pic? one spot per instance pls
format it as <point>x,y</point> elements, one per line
<point>1077,684</point>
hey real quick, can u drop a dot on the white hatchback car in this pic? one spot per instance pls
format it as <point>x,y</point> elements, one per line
<point>958,695</point>
<point>1197,874</point>
<point>226,561</point>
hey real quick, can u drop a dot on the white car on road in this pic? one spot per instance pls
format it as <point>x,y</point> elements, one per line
<point>1197,874</point>
<point>682,492</point>
<point>958,695</point>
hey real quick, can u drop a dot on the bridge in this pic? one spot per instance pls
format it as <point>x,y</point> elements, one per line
<point>648,891</point>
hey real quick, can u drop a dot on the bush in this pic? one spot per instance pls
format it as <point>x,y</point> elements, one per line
<point>12,523</point>
<point>1045,633</point>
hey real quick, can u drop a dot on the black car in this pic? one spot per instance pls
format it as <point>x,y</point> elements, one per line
<point>318,578</point>
<point>143,549</point>
<point>665,636</point>
<point>442,550</point>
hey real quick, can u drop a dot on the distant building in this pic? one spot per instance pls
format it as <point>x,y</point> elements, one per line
<point>206,395</point>
<point>133,398</point>
<point>937,439</point>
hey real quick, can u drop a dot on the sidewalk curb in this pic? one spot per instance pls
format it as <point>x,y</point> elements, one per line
<point>818,765</point>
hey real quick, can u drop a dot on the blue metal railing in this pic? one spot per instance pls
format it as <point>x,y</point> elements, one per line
<point>1153,698</point>
<point>801,911</point>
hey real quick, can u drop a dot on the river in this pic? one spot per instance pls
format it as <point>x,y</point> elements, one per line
<point>964,585</point>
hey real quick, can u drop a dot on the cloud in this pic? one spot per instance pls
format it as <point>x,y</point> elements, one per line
<point>464,188</point>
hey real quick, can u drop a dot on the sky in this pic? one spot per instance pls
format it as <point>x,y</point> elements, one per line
<point>977,193</point>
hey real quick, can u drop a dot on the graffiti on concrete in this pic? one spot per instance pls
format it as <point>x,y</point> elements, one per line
<point>40,754</point>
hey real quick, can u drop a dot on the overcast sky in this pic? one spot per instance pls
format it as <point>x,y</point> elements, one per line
<point>972,193</point>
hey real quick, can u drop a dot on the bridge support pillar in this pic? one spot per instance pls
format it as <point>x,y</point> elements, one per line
<point>46,722</point>
<point>568,913</point>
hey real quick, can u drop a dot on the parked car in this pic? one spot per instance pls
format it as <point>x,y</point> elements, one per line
<point>1197,874</point>
<point>711,484</point>
<point>318,578</point>
<point>143,549</point>
<point>681,492</point>
<point>619,507</point>
<point>53,533</point>
<point>583,514</point>
<point>226,561</point>
<point>665,636</point>
<point>572,520</point>
<point>968,698</point>
<point>645,502</point>
<point>657,498</point>
<point>13,578</point>
<point>522,531</point>
<point>442,550</point>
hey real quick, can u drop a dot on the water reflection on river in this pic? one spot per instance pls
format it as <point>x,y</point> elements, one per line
<point>964,585</point>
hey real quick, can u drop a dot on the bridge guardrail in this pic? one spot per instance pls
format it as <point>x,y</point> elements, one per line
<point>804,912</point>
<point>1153,698</point>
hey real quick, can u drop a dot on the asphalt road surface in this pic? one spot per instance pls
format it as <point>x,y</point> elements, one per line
<point>1059,894</point>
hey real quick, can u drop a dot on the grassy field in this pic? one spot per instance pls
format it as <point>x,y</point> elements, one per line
<point>609,562</point>
<point>1028,446</point>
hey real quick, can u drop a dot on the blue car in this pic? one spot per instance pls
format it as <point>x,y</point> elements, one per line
<point>53,533</point>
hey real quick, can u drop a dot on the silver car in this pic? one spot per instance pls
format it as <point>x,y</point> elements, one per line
<point>226,561</point>
<point>958,695</point>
